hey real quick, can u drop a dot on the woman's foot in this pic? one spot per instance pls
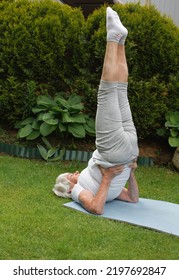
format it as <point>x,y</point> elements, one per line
<point>118,2</point>
<point>116,32</point>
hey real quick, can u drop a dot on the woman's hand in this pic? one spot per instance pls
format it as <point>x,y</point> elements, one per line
<point>133,165</point>
<point>111,172</point>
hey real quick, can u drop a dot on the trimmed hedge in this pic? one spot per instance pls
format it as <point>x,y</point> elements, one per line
<point>46,47</point>
<point>151,47</point>
<point>148,103</point>
<point>152,50</point>
<point>40,42</point>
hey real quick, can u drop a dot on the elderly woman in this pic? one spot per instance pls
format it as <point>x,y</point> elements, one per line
<point>114,161</point>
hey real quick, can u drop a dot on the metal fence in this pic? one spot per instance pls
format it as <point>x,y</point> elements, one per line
<point>167,7</point>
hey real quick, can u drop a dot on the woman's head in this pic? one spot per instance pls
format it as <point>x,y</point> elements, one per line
<point>64,184</point>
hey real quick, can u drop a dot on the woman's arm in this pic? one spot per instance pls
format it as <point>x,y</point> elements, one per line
<point>95,204</point>
<point>132,193</point>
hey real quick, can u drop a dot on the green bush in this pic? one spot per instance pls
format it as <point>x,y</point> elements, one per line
<point>152,50</point>
<point>148,103</point>
<point>17,99</point>
<point>173,92</point>
<point>40,42</point>
<point>152,43</point>
<point>46,47</point>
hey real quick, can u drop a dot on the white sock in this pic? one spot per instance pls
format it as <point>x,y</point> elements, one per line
<point>116,32</point>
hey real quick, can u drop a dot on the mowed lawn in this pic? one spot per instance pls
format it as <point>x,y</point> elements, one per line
<point>35,225</point>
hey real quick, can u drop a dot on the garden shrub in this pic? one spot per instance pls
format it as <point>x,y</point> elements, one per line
<point>173,92</point>
<point>46,47</point>
<point>17,99</point>
<point>148,102</point>
<point>152,50</point>
<point>40,42</point>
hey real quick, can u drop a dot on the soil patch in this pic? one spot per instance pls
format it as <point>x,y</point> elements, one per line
<point>158,150</point>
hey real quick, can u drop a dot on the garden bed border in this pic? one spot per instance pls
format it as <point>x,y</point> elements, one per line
<point>33,153</point>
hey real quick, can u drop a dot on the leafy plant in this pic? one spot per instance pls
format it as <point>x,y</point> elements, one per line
<point>50,153</point>
<point>171,128</point>
<point>60,115</point>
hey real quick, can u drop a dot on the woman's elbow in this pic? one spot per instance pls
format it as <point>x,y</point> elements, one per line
<point>134,200</point>
<point>91,205</point>
<point>98,211</point>
<point>94,208</point>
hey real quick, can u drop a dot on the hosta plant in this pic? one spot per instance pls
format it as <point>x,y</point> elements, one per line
<point>50,153</point>
<point>171,128</point>
<point>60,115</point>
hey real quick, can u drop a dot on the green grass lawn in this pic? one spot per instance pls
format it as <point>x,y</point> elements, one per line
<point>34,224</point>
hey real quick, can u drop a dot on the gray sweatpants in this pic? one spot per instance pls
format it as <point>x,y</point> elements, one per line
<point>116,138</point>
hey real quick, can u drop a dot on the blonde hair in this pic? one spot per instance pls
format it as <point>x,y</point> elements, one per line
<point>62,185</point>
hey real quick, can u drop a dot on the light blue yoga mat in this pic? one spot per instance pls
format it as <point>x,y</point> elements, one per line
<point>154,214</point>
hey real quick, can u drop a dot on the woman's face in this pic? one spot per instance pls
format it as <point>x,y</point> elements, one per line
<point>73,177</point>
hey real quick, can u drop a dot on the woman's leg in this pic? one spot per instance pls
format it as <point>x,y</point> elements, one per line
<point>115,64</point>
<point>114,123</point>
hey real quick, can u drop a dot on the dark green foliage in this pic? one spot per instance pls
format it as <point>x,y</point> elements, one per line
<point>60,115</point>
<point>154,39</point>
<point>173,92</point>
<point>148,102</point>
<point>40,42</point>
<point>46,47</point>
<point>95,42</point>
<point>17,99</point>
<point>152,50</point>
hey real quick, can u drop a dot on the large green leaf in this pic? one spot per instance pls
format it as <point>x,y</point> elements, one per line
<point>52,121</point>
<point>36,110</point>
<point>34,135</point>
<point>40,116</point>
<point>63,102</point>
<point>90,127</point>
<point>77,130</point>
<point>169,124</point>
<point>80,118</point>
<point>42,151</point>
<point>27,121</point>
<point>174,132</point>
<point>173,141</point>
<point>174,117</point>
<point>75,103</point>
<point>25,131</point>
<point>59,157</point>
<point>49,115</point>
<point>57,109</point>
<point>74,99</point>
<point>51,152</point>
<point>76,108</point>
<point>46,101</point>
<point>46,142</point>
<point>46,129</point>
<point>36,125</point>
<point>62,127</point>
